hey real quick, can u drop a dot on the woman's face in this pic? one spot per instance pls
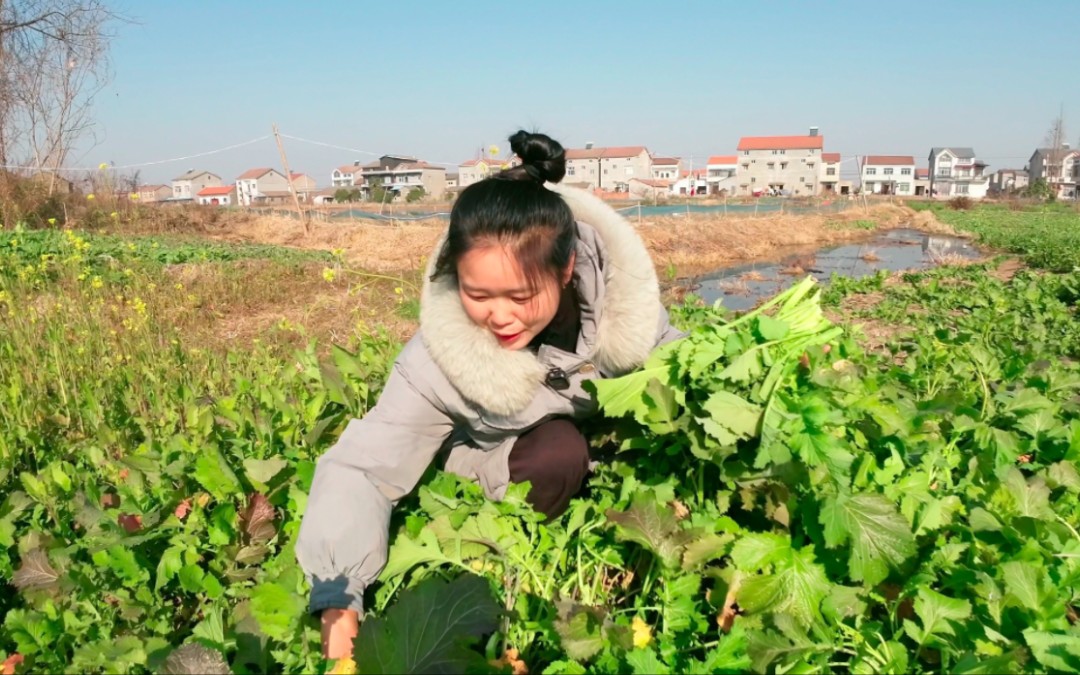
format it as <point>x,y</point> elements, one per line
<point>496,295</point>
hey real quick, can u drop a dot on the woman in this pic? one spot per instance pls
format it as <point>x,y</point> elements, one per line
<point>534,289</point>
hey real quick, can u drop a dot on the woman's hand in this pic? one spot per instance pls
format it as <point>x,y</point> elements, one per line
<point>339,627</point>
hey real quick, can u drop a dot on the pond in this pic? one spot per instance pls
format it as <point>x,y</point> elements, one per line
<point>743,286</point>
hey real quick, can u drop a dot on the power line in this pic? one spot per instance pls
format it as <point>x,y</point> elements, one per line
<point>141,164</point>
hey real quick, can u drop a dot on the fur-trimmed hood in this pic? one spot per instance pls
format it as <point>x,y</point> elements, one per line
<point>615,278</point>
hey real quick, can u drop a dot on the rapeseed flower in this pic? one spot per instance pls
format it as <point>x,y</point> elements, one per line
<point>642,633</point>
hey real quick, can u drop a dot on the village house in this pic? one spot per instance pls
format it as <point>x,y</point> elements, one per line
<point>1008,181</point>
<point>1060,169</point>
<point>189,184</point>
<point>451,181</point>
<point>304,185</point>
<point>260,185</point>
<point>217,195</point>
<point>783,165</point>
<point>346,176</point>
<point>922,182</point>
<point>402,175</point>
<point>148,194</point>
<point>475,170</point>
<point>955,172</point>
<point>888,175</point>
<point>608,169</point>
<point>692,182</point>
<point>721,174</point>
<point>648,188</point>
<point>666,168</point>
<point>830,173</point>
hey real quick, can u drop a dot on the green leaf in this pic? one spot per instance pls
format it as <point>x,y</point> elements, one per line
<point>580,630</point>
<point>653,525</point>
<point>705,548</point>
<point>35,573</point>
<point>1058,652</point>
<point>215,475</point>
<point>621,395</point>
<point>263,470</point>
<point>1032,498</point>
<point>191,578</point>
<point>982,520</point>
<point>731,417</point>
<point>1022,583</point>
<point>771,329</point>
<point>755,551</point>
<point>430,629</point>
<point>276,609</point>
<point>646,662</point>
<point>937,612</point>
<point>880,537</point>
<point>663,408</point>
<point>168,566</point>
<point>680,602</point>
<point>769,647</point>
<point>796,588</point>
<point>730,656</point>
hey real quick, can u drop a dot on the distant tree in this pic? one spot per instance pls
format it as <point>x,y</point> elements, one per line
<point>380,194</point>
<point>1040,189</point>
<point>415,195</point>
<point>342,195</point>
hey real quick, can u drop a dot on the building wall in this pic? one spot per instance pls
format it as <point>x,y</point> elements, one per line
<point>272,181</point>
<point>760,169</point>
<point>187,189</point>
<point>827,179</point>
<point>609,172</point>
<point>665,171</point>
<point>222,200</point>
<point>876,176</point>
<point>434,182</point>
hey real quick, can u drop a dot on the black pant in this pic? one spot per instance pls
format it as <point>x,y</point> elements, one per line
<point>554,458</point>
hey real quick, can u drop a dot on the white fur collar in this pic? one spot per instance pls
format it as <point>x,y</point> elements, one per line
<point>504,382</point>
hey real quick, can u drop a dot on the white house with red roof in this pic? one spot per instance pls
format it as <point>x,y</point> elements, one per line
<point>610,168</point>
<point>217,195</point>
<point>782,165</point>
<point>888,175</point>
<point>261,184</point>
<point>721,175</point>
<point>666,168</point>
<point>692,182</point>
<point>347,175</point>
<point>830,173</point>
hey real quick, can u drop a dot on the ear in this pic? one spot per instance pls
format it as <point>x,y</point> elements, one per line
<point>568,273</point>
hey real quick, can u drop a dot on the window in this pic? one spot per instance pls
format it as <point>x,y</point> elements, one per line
<point>809,165</point>
<point>871,171</point>
<point>753,180</point>
<point>746,165</point>
<point>605,172</point>
<point>888,171</point>
<point>771,165</point>
<point>905,172</point>
<point>569,171</point>
<point>944,171</point>
<point>802,179</point>
<point>783,165</point>
<point>962,189</point>
<point>746,152</point>
<point>903,187</point>
<point>830,171</point>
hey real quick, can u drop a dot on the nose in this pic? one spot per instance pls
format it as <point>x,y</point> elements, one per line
<point>500,316</point>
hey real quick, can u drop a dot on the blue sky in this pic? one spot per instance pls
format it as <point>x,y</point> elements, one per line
<point>437,80</point>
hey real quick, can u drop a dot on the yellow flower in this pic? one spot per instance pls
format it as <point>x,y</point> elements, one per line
<point>96,282</point>
<point>642,633</point>
<point>345,666</point>
<point>134,196</point>
<point>328,274</point>
<point>103,166</point>
<point>114,215</point>
<point>90,196</point>
<point>52,221</point>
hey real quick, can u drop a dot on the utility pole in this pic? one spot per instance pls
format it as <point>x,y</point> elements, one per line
<point>288,176</point>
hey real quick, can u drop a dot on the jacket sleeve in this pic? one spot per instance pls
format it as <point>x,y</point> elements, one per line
<point>665,332</point>
<point>342,545</point>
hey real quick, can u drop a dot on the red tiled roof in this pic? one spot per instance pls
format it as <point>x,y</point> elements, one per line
<point>606,153</point>
<point>698,173</point>
<point>888,159</point>
<point>348,168</point>
<point>254,173</point>
<point>830,157</point>
<point>215,191</point>
<point>922,173</point>
<point>781,143</point>
<point>297,176</point>
<point>665,161</point>
<point>723,159</point>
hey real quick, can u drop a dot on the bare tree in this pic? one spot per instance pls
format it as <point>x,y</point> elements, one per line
<point>53,61</point>
<point>1055,142</point>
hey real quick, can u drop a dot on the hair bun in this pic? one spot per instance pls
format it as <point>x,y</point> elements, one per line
<point>543,157</point>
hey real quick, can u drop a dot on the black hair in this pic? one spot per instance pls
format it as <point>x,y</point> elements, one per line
<point>514,209</point>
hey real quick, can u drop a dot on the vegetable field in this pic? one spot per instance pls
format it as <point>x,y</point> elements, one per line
<point>776,493</point>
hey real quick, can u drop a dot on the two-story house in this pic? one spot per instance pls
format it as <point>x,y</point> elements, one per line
<point>1008,181</point>
<point>609,168</point>
<point>257,184</point>
<point>721,174</point>
<point>347,175</point>
<point>220,195</point>
<point>189,184</point>
<point>1060,169</point>
<point>955,172</point>
<point>402,175</point>
<point>304,185</point>
<point>781,165</point>
<point>888,175</point>
<point>666,168</point>
<point>830,173</point>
